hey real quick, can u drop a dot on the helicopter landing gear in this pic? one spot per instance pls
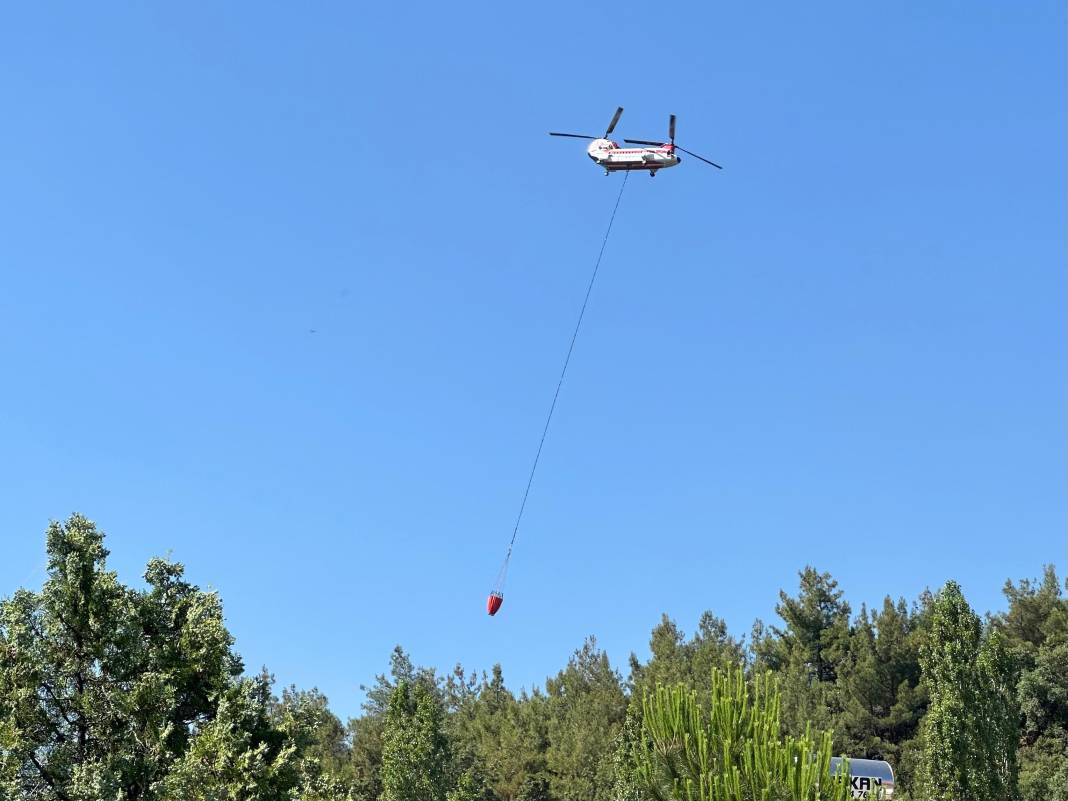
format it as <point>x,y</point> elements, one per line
<point>652,173</point>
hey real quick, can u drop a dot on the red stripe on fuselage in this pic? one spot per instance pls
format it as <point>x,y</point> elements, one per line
<point>636,165</point>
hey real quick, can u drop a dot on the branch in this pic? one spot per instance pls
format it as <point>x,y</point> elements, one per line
<point>48,778</point>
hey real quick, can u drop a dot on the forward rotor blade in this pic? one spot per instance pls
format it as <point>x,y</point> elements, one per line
<point>573,136</point>
<point>671,129</point>
<point>643,142</point>
<point>615,119</point>
<point>706,161</point>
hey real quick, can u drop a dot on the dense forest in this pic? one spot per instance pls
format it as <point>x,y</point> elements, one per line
<point>111,692</point>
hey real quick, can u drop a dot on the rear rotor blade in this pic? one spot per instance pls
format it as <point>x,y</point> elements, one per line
<point>573,136</point>
<point>615,119</point>
<point>643,142</point>
<point>671,129</point>
<point>706,161</point>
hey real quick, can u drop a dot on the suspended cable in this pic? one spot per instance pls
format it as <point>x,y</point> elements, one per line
<point>497,597</point>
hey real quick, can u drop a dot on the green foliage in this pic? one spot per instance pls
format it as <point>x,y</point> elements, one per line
<point>401,670</point>
<point>879,688</point>
<point>730,746</point>
<point>675,659</point>
<point>816,637</point>
<point>859,678</point>
<point>1036,630</point>
<point>534,788</point>
<point>470,786</point>
<point>415,751</point>
<point>626,783</point>
<point>365,756</point>
<point>808,652</point>
<point>108,692</point>
<point>970,732</point>
<point>1044,766</point>
<point>320,743</point>
<point>238,755</point>
<point>586,707</point>
<point>104,687</point>
<point>491,730</point>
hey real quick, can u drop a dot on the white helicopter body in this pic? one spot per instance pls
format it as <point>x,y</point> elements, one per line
<point>613,158</point>
<point>653,157</point>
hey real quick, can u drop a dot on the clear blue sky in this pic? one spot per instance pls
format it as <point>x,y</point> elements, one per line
<point>845,349</point>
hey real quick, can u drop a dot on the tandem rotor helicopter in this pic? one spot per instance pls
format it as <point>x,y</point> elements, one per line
<point>659,156</point>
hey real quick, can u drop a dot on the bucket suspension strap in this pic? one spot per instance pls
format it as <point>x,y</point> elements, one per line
<point>499,586</point>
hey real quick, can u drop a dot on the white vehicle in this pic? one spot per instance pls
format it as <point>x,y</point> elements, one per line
<point>658,156</point>
<point>870,778</point>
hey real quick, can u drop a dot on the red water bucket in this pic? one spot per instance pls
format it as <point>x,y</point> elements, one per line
<point>493,603</point>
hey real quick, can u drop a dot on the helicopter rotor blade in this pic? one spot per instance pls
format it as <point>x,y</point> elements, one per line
<point>615,119</point>
<point>671,129</point>
<point>573,136</point>
<point>702,158</point>
<point>643,142</point>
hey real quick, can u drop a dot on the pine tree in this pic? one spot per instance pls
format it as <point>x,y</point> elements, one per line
<point>729,745</point>
<point>808,653</point>
<point>586,706</point>
<point>879,686</point>
<point>415,751</point>
<point>1036,630</point>
<point>676,659</point>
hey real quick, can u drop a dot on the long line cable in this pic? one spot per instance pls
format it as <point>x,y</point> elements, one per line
<point>560,383</point>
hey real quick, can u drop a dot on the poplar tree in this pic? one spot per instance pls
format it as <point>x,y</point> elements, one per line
<point>971,730</point>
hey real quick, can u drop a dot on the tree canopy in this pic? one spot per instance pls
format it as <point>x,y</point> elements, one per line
<point>138,694</point>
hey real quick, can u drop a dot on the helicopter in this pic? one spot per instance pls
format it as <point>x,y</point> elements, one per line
<point>657,156</point>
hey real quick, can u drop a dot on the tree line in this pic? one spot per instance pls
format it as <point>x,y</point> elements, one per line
<point>110,692</point>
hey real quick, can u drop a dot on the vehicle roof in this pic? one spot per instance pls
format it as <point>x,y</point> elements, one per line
<point>873,768</point>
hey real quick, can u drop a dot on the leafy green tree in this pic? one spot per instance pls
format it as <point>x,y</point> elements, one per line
<point>108,692</point>
<point>626,782</point>
<point>730,747</point>
<point>470,786</point>
<point>534,788</point>
<point>320,743</point>
<point>103,687</point>
<point>970,732</point>
<point>365,733</point>
<point>416,759</point>
<point>238,755</point>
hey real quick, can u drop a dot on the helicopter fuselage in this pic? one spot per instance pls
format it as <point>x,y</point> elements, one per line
<point>613,158</point>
